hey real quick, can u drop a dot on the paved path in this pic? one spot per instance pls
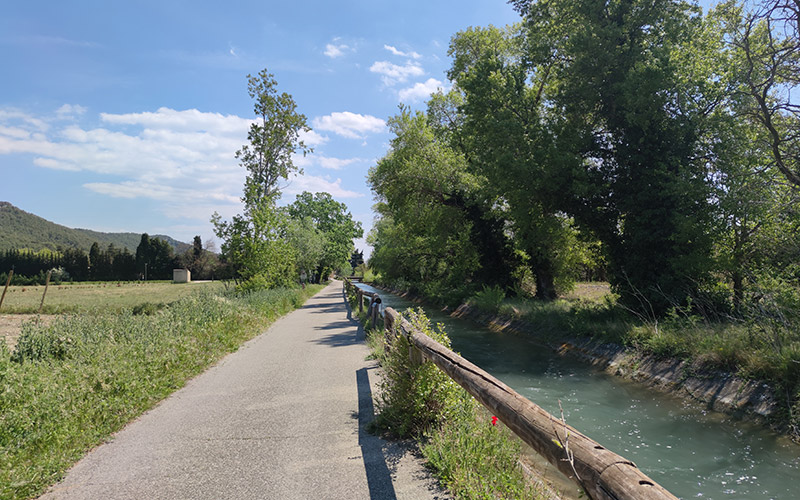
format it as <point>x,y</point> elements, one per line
<point>282,418</point>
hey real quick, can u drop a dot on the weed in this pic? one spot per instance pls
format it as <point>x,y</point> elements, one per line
<point>69,385</point>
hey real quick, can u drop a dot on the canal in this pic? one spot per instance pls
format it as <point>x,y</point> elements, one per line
<point>693,452</point>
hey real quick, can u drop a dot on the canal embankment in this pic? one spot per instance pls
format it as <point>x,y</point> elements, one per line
<point>719,390</point>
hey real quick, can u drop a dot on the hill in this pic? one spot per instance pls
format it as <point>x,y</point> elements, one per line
<point>20,229</point>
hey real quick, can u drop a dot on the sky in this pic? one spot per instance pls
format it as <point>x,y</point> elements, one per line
<point>125,116</point>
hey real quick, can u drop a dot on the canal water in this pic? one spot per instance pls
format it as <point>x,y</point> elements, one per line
<point>693,452</point>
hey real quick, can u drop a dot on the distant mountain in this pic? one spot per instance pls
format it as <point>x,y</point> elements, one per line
<point>19,229</point>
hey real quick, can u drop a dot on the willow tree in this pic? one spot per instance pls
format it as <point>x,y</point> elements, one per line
<point>511,139</point>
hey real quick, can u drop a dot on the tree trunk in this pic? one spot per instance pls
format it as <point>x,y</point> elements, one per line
<point>545,283</point>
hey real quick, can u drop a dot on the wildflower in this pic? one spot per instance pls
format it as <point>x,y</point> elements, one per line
<point>494,420</point>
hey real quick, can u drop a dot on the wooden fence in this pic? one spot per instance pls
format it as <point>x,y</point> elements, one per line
<point>603,474</point>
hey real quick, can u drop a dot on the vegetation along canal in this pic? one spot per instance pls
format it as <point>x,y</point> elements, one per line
<point>692,452</point>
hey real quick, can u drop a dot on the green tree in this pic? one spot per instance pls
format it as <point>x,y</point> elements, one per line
<point>432,210</point>
<point>333,222</point>
<point>254,244</point>
<point>511,140</point>
<point>765,41</point>
<point>622,81</point>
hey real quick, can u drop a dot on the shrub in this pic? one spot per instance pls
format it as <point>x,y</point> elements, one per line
<point>489,299</point>
<point>414,398</point>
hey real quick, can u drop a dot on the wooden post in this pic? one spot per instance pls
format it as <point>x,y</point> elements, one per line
<point>46,284</point>
<point>360,295</point>
<point>8,282</point>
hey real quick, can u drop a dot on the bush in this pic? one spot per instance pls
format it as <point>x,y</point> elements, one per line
<point>414,398</point>
<point>489,299</point>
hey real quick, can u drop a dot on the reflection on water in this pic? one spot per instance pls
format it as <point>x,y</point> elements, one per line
<point>692,452</point>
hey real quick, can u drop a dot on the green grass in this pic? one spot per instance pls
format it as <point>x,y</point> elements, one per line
<point>90,297</point>
<point>473,458</point>
<point>753,346</point>
<point>68,386</point>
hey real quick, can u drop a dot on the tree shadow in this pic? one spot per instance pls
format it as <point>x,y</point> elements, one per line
<point>379,477</point>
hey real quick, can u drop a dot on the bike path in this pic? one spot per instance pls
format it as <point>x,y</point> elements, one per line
<point>281,418</point>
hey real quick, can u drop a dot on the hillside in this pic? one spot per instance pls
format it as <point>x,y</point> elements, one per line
<point>20,229</point>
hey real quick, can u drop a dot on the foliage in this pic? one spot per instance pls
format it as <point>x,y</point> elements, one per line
<point>254,246</point>
<point>71,384</point>
<point>436,230</point>
<point>476,459</point>
<point>335,227</point>
<point>414,398</point>
<point>273,138</point>
<point>489,299</point>
<point>511,140</point>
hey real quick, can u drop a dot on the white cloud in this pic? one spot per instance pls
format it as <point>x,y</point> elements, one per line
<point>396,52</point>
<point>420,91</point>
<point>336,163</point>
<point>392,74</point>
<point>336,49</point>
<point>350,125</point>
<point>315,184</point>
<point>70,111</point>
<point>312,138</point>
<point>183,156</point>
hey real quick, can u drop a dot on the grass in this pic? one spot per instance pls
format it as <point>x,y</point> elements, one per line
<point>69,385</point>
<point>90,297</point>
<point>472,456</point>
<point>755,346</point>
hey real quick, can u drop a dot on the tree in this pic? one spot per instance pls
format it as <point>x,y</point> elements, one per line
<point>333,222</point>
<point>273,138</point>
<point>622,82</point>
<point>436,231</point>
<point>511,140</point>
<point>254,244</point>
<point>766,43</point>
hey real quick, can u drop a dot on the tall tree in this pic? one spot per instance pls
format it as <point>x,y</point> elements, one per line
<point>765,39</point>
<point>643,188</point>
<point>511,140</point>
<point>254,243</point>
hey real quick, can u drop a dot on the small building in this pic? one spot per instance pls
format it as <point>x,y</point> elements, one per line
<point>181,276</point>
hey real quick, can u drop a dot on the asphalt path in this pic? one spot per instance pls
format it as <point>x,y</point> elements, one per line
<point>281,418</point>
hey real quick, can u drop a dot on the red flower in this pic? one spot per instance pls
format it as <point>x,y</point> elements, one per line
<point>494,420</point>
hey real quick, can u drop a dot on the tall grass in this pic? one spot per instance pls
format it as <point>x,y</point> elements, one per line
<point>474,457</point>
<point>68,386</point>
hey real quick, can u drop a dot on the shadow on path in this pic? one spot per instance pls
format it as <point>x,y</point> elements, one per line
<point>379,478</point>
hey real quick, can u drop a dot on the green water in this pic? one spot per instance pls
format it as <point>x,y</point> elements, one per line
<point>692,452</point>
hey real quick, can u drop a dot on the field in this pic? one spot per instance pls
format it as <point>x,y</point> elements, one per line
<point>22,302</point>
<point>73,379</point>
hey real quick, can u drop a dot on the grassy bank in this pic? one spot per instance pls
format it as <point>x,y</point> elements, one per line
<point>474,455</point>
<point>761,344</point>
<point>68,386</point>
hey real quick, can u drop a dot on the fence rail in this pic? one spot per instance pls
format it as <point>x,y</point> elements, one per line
<point>603,474</point>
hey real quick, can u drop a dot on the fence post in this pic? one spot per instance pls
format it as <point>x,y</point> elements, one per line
<point>8,282</point>
<point>360,295</point>
<point>46,284</point>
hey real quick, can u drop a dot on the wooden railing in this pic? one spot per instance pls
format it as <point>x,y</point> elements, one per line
<point>603,474</point>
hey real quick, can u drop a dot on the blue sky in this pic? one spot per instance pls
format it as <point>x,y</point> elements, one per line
<point>125,116</point>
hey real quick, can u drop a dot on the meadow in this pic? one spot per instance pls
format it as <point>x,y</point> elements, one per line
<point>105,296</point>
<point>75,379</point>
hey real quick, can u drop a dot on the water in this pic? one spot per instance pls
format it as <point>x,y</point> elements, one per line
<point>692,452</point>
